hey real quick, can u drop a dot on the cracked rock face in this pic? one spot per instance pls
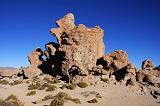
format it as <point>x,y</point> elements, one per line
<point>81,46</point>
<point>147,64</point>
<point>117,60</point>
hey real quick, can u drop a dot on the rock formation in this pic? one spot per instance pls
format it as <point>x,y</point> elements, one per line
<point>35,59</point>
<point>79,56</point>
<point>147,74</point>
<point>147,64</point>
<point>117,60</point>
<point>81,46</point>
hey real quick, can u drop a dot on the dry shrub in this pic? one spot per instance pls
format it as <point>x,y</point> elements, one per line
<point>31,93</point>
<point>82,84</point>
<point>69,86</point>
<point>4,82</point>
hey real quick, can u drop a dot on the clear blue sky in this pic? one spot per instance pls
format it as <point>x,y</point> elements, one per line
<point>130,25</point>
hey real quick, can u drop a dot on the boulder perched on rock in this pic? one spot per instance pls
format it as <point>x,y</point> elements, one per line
<point>147,64</point>
<point>120,59</point>
<point>130,77</point>
<point>35,58</point>
<point>81,46</point>
<point>117,60</point>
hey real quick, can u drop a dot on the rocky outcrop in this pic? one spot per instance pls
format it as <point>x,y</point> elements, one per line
<point>147,74</point>
<point>117,60</point>
<point>81,46</point>
<point>130,77</point>
<point>79,55</point>
<point>147,64</point>
<point>35,59</point>
<point>120,59</point>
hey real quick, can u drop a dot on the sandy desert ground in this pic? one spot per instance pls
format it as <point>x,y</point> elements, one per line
<point>111,95</point>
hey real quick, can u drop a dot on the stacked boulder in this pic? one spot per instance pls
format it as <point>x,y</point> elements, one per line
<point>79,55</point>
<point>148,74</point>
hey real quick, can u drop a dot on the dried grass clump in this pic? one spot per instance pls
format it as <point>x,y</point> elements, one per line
<point>48,97</point>
<point>4,82</point>
<point>11,100</point>
<point>69,86</point>
<point>51,88</point>
<point>31,93</point>
<point>82,84</point>
<point>16,82</point>
<point>34,86</point>
<point>57,102</point>
<point>47,79</point>
<point>59,99</point>
<point>105,80</point>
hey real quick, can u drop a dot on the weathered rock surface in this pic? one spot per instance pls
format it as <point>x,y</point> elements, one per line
<point>147,64</point>
<point>81,46</point>
<point>117,60</point>
<point>35,59</point>
<point>79,57</point>
<point>148,76</point>
<point>89,79</point>
<point>120,59</point>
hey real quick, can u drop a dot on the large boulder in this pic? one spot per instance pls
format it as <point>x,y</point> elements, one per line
<point>80,46</point>
<point>117,60</point>
<point>120,59</point>
<point>36,60</point>
<point>35,57</point>
<point>130,77</point>
<point>147,64</point>
<point>148,76</point>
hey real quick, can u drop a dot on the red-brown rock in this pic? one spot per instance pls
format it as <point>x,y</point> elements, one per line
<point>147,64</point>
<point>81,46</point>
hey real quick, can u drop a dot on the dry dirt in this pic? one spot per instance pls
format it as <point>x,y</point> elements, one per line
<point>112,95</point>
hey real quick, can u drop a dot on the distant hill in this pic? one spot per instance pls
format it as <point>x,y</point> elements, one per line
<point>7,68</point>
<point>8,71</point>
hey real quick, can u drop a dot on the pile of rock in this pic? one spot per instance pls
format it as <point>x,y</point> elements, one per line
<point>79,56</point>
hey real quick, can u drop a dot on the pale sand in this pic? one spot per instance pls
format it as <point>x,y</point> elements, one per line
<point>112,95</point>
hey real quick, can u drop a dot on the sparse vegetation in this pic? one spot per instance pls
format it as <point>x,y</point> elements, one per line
<point>105,80</point>
<point>51,88</point>
<point>34,86</point>
<point>48,97</point>
<point>13,97</point>
<point>56,80</point>
<point>15,83</point>
<point>41,87</point>
<point>82,84</point>
<point>69,86</point>
<point>51,80</point>
<point>47,79</point>
<point>58,100</point>
<point>11,100</point>
<point>31,93</point>
<point>4,82</point>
